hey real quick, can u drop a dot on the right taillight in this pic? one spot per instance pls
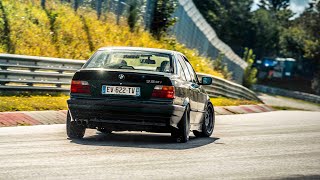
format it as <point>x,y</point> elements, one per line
<point>80,87</point>
<point>160,91</point>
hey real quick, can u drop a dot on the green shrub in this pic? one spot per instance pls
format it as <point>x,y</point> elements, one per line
<point>219,66</point>
<point>250,72</point>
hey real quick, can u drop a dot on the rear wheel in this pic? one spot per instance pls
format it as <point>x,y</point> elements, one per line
<point>181,135</point>
<point>74,130</point>
<point>207,124</point>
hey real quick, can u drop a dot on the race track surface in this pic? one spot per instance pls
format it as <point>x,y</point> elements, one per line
<point>272,145</point>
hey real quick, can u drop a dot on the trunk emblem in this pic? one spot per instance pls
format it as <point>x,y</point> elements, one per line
<point>121,76</point>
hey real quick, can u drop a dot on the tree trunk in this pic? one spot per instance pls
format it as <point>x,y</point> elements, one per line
<point>76,5</point>
<point>99,5</point>
<point>43,4</point>
<point>119,11</point>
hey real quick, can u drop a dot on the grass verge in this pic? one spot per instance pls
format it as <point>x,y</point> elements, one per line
<point>222,101</point>
<point>33,103</point>
<point>282,108</point>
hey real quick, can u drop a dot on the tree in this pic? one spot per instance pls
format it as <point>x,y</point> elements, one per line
<point>105,8</point>
<point>274,5</point>
<point>230,19</point>
<point>270,24</point>
<point>5,31</point>
<point>43,4</point>
<point>265,34</point>
<point>119,10</point>
<point>292,42</point>
<point>98,7</point>
<point>76,5</point>
<point>279,10</point>
<point>238,26</point>
<point>309,20</point>
<point>134,13</point>
<point>162,17</point>
<point>250,73</point>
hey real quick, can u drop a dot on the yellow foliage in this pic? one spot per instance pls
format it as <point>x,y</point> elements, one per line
<point>28,29</point>
<point>60,32</point>
<point>222,101</point>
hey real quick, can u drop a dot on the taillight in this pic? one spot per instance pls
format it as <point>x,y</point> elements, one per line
<point>163,92</point>
<point>80,87</point>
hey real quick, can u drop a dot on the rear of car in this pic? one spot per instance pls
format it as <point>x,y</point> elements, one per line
<point>119,89</point>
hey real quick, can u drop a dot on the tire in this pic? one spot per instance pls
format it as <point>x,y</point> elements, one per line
<point>74,130</point>
<point>181,135</point>
<point>207,124</point>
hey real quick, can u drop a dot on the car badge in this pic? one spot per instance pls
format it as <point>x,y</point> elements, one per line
<point>121,76</point>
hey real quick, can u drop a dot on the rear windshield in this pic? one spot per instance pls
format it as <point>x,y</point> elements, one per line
<point>133,60</point>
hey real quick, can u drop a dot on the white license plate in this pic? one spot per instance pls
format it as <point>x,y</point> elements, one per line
<point>121,90</point>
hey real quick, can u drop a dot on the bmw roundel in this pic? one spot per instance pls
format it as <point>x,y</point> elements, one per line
<point>121,76</point>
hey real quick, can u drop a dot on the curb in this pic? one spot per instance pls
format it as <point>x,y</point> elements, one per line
<point>27,118</point>
<point>242,109</point>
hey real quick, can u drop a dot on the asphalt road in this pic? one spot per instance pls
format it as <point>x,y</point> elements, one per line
<point>280,101</point>
<point>273,145</point>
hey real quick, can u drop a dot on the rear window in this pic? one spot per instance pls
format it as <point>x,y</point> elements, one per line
<point>133,60</point>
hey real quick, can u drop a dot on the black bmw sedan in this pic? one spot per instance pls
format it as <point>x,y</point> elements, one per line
<point>139,89</point>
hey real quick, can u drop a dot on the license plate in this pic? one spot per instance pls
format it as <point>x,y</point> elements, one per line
<point>121,90</point>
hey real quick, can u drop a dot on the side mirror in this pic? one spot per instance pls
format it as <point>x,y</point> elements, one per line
<point>206,81</point>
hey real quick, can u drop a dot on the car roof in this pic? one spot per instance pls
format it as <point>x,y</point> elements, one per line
<point>139,49</point>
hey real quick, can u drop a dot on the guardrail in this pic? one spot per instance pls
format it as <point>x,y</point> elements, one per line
<point>225,88</point>
<point>27,73</point>
<point>36,73</point>
<point>283,92</point>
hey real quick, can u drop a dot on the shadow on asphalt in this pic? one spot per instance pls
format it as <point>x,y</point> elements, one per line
<point>154,141</point>
<point>300,177</point>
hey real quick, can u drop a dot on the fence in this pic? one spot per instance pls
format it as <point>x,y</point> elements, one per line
<point>54,74</point>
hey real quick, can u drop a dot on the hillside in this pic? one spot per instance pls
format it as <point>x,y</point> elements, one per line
<point>60,32</point>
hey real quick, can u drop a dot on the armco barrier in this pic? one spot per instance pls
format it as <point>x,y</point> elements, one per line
<point>287,93</point>
<point>36,73</point>
<point>28,73</point>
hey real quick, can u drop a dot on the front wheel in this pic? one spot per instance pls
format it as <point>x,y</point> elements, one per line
<point>207,124</point>
<point>74,130</point>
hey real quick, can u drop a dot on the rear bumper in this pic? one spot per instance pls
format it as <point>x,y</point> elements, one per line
<point>126,114</point>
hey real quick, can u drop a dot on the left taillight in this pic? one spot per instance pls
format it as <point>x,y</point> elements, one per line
<point>80,87</point>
